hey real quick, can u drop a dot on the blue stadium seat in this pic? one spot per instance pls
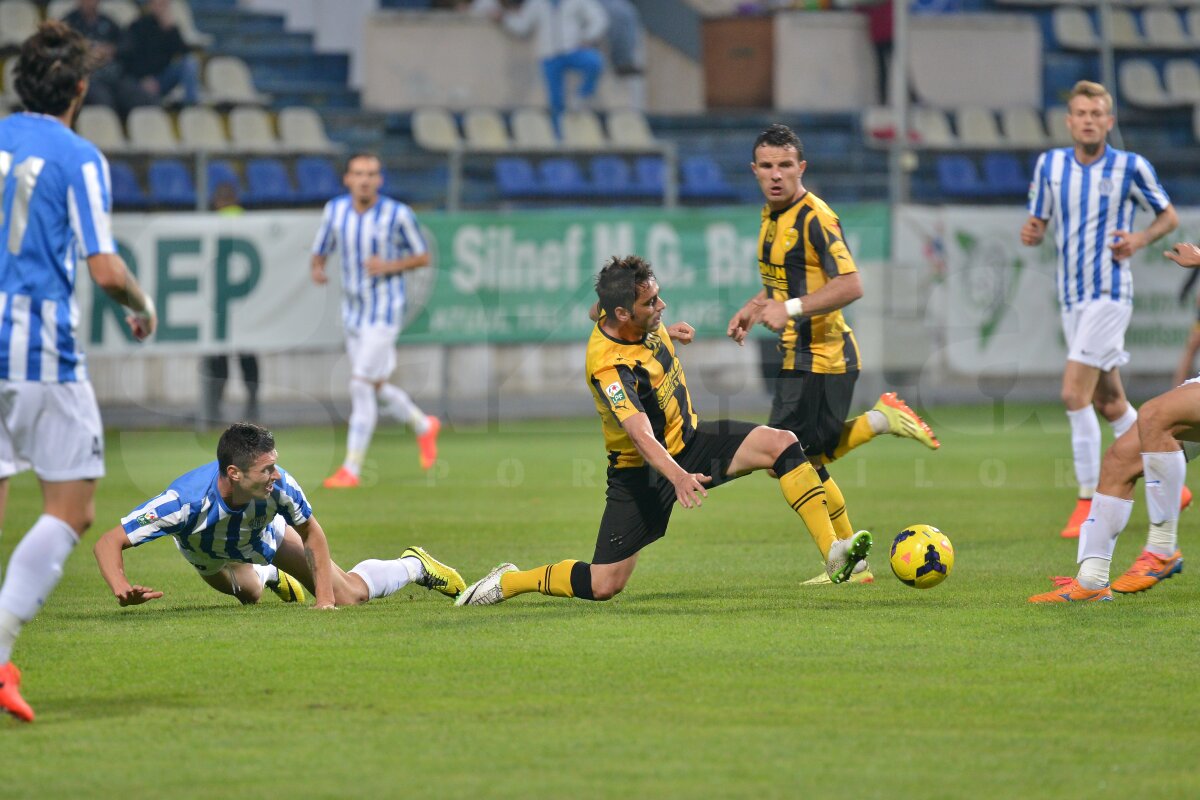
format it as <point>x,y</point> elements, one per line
<point>703,180</point>
<point>611,177</point>
<point>515,178</point>
<point>219,172</point>
<point>648,175</point>
<point>170,183</point>
<point>957,177</point>
<point>1003,174</point>
<point>316,180</point>
<point>127,192</point>
<point>267,183</point>
<point>561,177</point>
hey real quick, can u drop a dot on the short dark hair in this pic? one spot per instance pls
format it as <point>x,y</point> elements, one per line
<point>52,63</point>
<point>350,159</point>
<point>618,283</point>
<point>241,443</point>
<point>778,135</point>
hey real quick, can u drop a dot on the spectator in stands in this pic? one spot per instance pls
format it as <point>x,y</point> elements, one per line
<point>214,370</point>
<point>155,54</point>
<point>565,35</point>
<point>109,85</point>
<point>879,26</point>
<point>627,49</point>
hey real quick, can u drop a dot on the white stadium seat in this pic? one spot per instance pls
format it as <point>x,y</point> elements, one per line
<point>200,128</point>
<point>101,126</point>
<point>250,130</point>
<point>629,130</point>
<point>532,129</point>
<point>1056,126</point>
<point>1073,28</point>
<point>18,20</point>
<point>1141,86</point>
<point>932,128</point>
<point>485,131</point>
<point>227,80</point>
<point>301,130</point>
<point>150,129</point>
<point>581,130</point>
<point>977,127</point>
<point>1182,78</point>
<point>1023,128</point>
<point>435,129</point>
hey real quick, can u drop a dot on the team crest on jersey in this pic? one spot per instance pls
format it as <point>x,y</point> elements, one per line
<point>790,237</point>
<point>616,393</point>
<point>1106,186</point>
<point>147,518</point>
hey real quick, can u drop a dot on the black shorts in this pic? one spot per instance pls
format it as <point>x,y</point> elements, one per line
<point>814,407</point>
<point>640,499</point>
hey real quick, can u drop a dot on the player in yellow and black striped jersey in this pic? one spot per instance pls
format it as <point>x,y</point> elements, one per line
<point>809,276</point>
<point>659,453</point>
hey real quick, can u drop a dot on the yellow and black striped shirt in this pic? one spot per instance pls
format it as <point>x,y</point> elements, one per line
<point>627,378</point>
<point>800,250</point>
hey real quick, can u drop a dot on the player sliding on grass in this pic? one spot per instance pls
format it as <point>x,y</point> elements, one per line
<point>1151,448</point>
<point>660,453</point>
<point>245,524</point>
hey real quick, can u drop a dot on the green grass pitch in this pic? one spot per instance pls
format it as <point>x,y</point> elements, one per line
<point>714,675</point>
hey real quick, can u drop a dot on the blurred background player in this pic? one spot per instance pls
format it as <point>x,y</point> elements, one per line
<point>379,240</point>
<point>1090,190</point>
<point>56,204</point>
<point>1151,448</point>
<point>245,524</point>
<point>808,276</point>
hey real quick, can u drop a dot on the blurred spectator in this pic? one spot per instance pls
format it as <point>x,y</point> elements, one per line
<point>214,370</point>
<point>627,49</point>
<point>154,53</point>
<point>879,26</point>
<point>109,85</point>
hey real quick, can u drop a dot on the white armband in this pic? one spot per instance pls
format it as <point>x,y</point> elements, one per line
<point>794,307</point>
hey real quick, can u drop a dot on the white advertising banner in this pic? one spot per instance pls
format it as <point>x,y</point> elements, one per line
<point>992,303</point>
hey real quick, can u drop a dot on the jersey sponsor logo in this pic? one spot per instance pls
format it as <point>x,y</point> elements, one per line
<point>147,518</point>
<point>616,393</point>
<point>790,237</point>
<point>666,389</point>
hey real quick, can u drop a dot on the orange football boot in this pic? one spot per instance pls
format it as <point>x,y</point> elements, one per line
<point>427,441</point>
<point>342,479</point>
<point>10,693</point>
<point>1148,570</point>
<point>1083,507</point>
<point>1068,590</point>
<point>1185,498</point>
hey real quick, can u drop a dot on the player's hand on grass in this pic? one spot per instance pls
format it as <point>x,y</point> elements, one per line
<point>689,488</point>
<point>681,332</point>
<point>1185,254</point>
<point>1033,231</point>
<point>136,595</point>
<point>327,606</point>
<point>1126,244</point>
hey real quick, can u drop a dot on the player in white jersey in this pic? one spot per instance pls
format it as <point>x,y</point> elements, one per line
<point>1154,448</point>
<point>241,520</point>
<point>1090,190</point>
<point>379,240</point>
<point>55,201</point>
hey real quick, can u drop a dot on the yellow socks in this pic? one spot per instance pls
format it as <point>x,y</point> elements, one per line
<point>551,579</point>
<point>855,433</point>
<point>836,504</point>
<point>802,488</point>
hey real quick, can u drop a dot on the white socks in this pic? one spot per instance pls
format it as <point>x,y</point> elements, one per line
<point>34,569</point>
<point>388,577</point>
<point>1098,538</point>
<point>1124,422</point>
<point>1085,447</point>
<point>399,405</point>
<point>267,573</point>
<point>1164,474</point>
<point>363,414</point>
<point>878,422</point>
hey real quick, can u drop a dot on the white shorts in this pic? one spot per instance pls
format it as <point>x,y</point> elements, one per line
<point>53,427</point>
<point>207,565</point>
<point>372,351</point>
<point>1095,333</point>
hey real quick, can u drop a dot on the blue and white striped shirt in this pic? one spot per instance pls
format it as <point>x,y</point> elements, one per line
<point>192,510</point>
<point>387,229</point>
<point>56,204</point>
<point>1089,204</point>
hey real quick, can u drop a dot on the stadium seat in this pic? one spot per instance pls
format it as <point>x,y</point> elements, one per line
<point>1141,86</point>
<point>1125,33</point>
<point>171,183</point>
<point>581,130</point>
<point>1164,29</point>
<point>126,191</point>
<point>227,81</point>
<point>515,178</point>
<point>958,177</point>
<point>561,177</point>
<point>485,131</point>
<point>57,9</point>
<point>219,171</point>
<point>532,129</point>
<point>1192,15</point>
<point>1003,174</point>
<point>1023,128</point>
<point>123,12</point>
<point>201,129</point>
<point>1182,78</point>
<point>611,177</point>
<point>18,21</point>
<point>1073,29</point>
<point>101,126</point>
<point>1056,126</point>
<point>434,129</point>
<point>250,130</point>
<point>151,131</point>
<point>932,129</point>
<point>316,180</point>
<point>649,175</point>
<point>703,180</point>
<point>977,127</point>
<point>267,183</point>
<point>301,130</point>
<point>629,130</point>
<point>181,10</point>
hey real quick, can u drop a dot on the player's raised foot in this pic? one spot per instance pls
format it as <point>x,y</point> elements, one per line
<point>1148,570</point>
<point>486,591</point>
<point>10,693</point>
<point>287,588</point>
<point>1185,498</point>
<point>427,441</point>
<point>1083,507</point>
<point>437,576</point>
<point>861,574</point>
<point>342,479</point>
<point>845,554</point>
<point>903,421</point>
<point>1069,590</point>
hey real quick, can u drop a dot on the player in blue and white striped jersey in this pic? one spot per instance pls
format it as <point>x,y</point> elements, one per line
<point>1090,190</point>
<point>55,201</point>
<point>244,523</point>
<point>379,240</point>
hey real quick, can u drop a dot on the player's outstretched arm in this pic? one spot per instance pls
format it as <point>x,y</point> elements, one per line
<point>689,486</point>
<point>316,553</point>
<point>746,317</point>
<point>681,332</point>
<point>109,272</point>
<point>112,567</point>
<point>1185,254</point>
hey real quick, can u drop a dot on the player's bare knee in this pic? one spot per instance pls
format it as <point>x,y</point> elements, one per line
<point>248,595</point>
<point>607,587</point>
<point>1154,416</point>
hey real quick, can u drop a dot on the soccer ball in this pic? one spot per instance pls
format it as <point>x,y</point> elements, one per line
<point>922,556</point>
